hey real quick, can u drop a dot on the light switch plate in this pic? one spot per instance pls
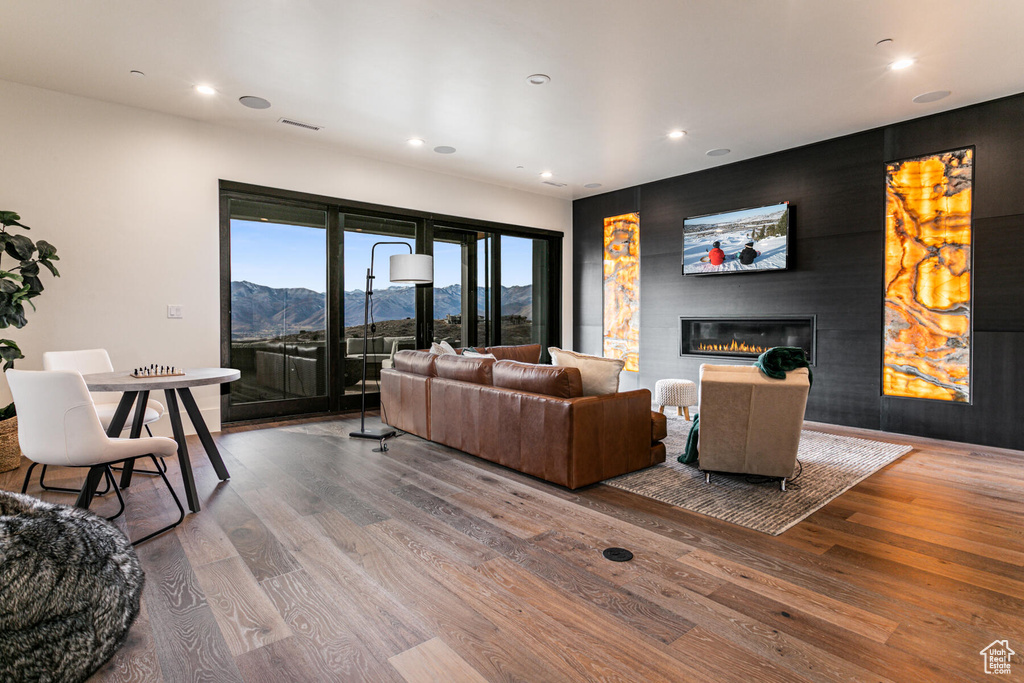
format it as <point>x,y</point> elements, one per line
<point>174,311</point>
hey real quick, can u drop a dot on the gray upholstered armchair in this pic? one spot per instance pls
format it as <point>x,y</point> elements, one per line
<point>749,422</point>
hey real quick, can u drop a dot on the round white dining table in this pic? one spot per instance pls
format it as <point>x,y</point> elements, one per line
<point>136,391</point>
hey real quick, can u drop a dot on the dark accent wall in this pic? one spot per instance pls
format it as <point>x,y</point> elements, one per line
<point>836,259</point>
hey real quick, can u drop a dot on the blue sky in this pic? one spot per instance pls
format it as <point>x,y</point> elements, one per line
<point>734,215</point>
<point>280,256</point>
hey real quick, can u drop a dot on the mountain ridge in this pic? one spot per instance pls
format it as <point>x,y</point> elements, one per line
<point>259,311</point>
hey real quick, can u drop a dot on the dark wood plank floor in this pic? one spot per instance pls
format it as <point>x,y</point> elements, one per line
<point>322,560</point>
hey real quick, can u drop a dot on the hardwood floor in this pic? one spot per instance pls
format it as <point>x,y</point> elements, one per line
<point>322,560</point>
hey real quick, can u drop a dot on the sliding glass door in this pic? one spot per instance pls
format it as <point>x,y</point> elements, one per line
<point>491,289</point>
<point>462,303</point>
<point>277,309</point>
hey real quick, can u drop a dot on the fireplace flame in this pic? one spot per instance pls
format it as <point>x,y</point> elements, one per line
<point>732,347</point>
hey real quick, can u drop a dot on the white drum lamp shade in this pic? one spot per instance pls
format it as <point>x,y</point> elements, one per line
<point>415,269</point>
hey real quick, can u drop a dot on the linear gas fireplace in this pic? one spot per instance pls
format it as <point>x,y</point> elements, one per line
<point>744,337</point>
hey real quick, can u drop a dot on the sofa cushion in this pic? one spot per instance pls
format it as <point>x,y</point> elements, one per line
<point>525,353</point>
<point>393,345</point>
<point>659,427</point>
<point>538,379</point>
<point>466,369</point>
<point>354,346</point>
<point>600,375</point>
<point>416,362</point>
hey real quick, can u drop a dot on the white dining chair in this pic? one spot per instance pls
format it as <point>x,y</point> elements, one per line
<point>89,361</point>
<point>58,425</point>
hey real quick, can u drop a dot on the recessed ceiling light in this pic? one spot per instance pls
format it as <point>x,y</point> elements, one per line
<point>538,79</point>
<point>901,64</point>
<point>416,142</point>
<point>254,102</point>
<point>719,152</point>
<point>592,186</point>
<point>136,73</point>
<point>444,149</point>
<point>546,174</point>
<point>203,89</point>
<point>933,96</point>
<point>677,134</point>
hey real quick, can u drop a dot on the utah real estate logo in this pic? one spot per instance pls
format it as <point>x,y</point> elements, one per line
<point>997,657</point>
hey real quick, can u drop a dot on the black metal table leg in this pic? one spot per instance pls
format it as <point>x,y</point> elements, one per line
<point>185,465</point>
<point>124,407</point>
<point>136,432</point>
<point>204,433</point>
<point>92,480</point>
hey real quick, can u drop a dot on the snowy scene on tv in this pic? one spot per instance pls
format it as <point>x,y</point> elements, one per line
<point>751,239</point>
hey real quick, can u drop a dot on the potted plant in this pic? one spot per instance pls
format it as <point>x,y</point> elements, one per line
<point>19,284</point>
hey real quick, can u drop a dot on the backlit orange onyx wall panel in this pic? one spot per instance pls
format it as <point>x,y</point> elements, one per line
<point>928,277</point>
<point>622,289</point>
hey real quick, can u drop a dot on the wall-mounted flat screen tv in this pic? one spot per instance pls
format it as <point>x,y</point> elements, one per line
<point>747,240</point>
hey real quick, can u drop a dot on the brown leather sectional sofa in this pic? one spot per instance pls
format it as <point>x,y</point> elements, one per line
<point>532,418</point>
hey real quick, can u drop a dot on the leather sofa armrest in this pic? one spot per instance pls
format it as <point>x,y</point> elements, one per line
<point>611,435</point>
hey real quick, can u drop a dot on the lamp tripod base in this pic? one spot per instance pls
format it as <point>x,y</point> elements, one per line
<point>378,434</point>
<point>381,435</point>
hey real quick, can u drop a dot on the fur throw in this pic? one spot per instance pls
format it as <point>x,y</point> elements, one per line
<point>70,585</point>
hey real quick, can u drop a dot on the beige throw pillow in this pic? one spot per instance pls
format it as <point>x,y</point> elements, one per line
<point>473,353</point>
<point>443,349</point>
<point>600,375</point>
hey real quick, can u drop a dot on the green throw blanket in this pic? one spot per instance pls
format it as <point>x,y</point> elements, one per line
<point>690,452</point>
<point>778,360</point>
<point>775,362</point>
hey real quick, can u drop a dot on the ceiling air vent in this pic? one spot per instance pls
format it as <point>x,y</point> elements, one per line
<point>300,124</point>
<point>548,182</point>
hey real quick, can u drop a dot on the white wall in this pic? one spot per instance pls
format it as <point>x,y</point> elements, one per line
<point>130,199</point>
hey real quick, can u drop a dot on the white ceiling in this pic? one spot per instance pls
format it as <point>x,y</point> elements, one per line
<point>755,76</point>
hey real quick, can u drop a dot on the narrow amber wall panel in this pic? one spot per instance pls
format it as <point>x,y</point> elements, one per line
<point>622,289</point>
<point>927,334</point>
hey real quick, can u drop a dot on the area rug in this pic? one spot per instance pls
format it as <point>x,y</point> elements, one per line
<point>831,465</point>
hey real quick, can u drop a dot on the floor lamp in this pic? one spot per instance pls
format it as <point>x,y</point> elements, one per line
<point>412,268</point>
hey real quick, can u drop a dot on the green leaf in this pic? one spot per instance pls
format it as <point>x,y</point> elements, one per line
<point>10,344</point>
<point>29,268</point>
<point>35,286</point>
<point>10,355</point>
<point>52,268</point>
<point>10,218</point>
<point>9,286</point>
<point>13,276</point>
<point>12,315</point>
<point>8,411</point>
<point>20,247</point>
<point>46,250</point>
<point>21,293</point>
